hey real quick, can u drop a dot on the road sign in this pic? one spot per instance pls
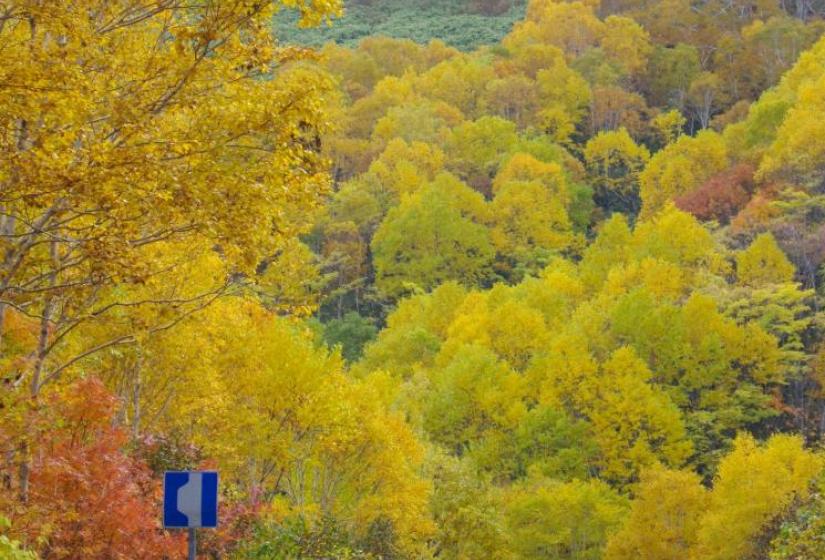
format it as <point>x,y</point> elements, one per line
<point>190,500</point>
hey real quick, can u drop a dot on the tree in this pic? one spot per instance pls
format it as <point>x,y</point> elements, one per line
<point>465,510</point>
<point>287,424</point>
<point>470,398</point>
<point>705,97</point>
<point>459,81</point>
<point>402,168</point>
<point>551,444</point>
<point>722,196</point>
<point>755,484</point>
<point>763,262</point>
<point>393,56</point>
<point>86,493</point>
<point>614,161</point>
<point>680,168</point>
<point>527,220</point>
<point>569,521</point>
<point>613,108</point>
<point>514,98</point>
<point>345,256</point>
<point>794,150</point>
<point>570,26</point>
<point>798,535</point>
<point>670,73</point>
<point>411,122</point>
<point>631,439</point>
<point>627,43</point>
<point>664,517</point>
<point>415,331</point>
<point>475,149</point>
<point>432,237</point>
<point>723,376</point>
<point>352,333</point>
<point>531,57</point>
<point>765,49</point>
<point>148,144</point>
<point>528,213</point>
<point>668,126</point>
<point>357,70</point>
<point>564,97</point>
<point>611,248</point>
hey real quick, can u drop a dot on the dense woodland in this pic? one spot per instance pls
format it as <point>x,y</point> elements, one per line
<point>556,297</point>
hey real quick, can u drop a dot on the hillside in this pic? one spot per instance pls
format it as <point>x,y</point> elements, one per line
<point>557,297</point>
<point>460,23</point>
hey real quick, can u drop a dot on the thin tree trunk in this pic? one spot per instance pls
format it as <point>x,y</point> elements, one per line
<point>136,396</point>
<point>37,372</point>
<point>24,472</point>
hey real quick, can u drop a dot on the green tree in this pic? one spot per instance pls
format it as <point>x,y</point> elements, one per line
<point>432,237</point>
<point>352,332</point>
<point>567,521</point>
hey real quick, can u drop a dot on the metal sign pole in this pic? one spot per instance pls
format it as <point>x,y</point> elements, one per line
<point>193,544</point>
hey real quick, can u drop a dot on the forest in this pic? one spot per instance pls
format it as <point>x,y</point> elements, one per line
<point>546,286</point>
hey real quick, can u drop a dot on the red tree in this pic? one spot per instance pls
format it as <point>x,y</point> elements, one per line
<point>722,196</point>
<point>88,498</point>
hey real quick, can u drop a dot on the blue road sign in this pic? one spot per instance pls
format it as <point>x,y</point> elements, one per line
<point>190,499</point>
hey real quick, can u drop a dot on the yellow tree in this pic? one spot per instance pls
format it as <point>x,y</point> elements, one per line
<point>571,26</point>
<point>473,395</point>
<point>763,262</point>
<point>150,138</point>
<point>627,43</point>
<point>679,168</point>
<point>280,416</point>
<point>459,81</point>
<point>614,161</point>
<point>634,423</point>
<point>668,126</point>
<point>664,517</point>
<point>475,149</point>
<point>512,97</point>
<point>754,485</point>
<point>674,517</point>
<point>797,150</point>
<point>527,218</point>
<point>403,168</point>
<point>129,129</point>
<point>564,97</point>
<point>528,213</point>
<point>414,332</point>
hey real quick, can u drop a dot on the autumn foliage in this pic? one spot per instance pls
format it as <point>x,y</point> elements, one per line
<point>88,496</point>
<point>721,197</point>
<point>558,297</point>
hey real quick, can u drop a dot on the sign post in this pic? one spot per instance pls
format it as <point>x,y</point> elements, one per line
<point>193,544</point>
<point>190,501</point>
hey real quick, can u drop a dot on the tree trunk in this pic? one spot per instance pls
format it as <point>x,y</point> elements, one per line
<point>24,472</point>
<point>136,397</point>
<point>37,372</point>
